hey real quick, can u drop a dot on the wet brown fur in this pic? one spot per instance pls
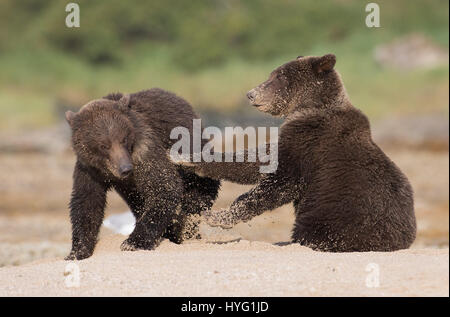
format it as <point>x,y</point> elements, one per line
<point>347,194</point>
<point>119,132</point>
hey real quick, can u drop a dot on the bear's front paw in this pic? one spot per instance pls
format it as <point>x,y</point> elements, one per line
<point>133,245</point>
<point>127,246</point>
<point>70,257</point>
<point>78,255</point>
<point>222,218</point>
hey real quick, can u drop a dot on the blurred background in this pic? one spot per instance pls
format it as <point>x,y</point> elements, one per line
<point>211,53</point>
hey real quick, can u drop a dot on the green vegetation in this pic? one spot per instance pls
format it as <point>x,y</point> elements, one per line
<point>210,52</point>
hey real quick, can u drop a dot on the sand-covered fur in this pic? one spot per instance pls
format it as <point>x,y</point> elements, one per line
<point>121,143</point>
<point>348,195</point>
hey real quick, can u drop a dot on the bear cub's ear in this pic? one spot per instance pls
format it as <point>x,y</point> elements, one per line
<point>124,102</point>
<point>325,63</point>
<point>70,116</point>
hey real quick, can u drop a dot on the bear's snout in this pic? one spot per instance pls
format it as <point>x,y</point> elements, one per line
<point>121,164</point>
<point>251,95</point>
<point>125,169</point>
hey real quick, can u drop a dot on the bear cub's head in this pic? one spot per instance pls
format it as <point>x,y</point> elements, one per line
<point>304,82</point>
<point>103,136</point>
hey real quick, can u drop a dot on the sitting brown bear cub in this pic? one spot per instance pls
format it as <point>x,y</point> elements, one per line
<point>348,195</point>
<point>121,143</point>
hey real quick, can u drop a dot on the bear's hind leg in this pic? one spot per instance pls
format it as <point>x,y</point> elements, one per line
<point>154,209</point>
<point>199,195</point>
<point>183,227</point>
<point>150,228</point>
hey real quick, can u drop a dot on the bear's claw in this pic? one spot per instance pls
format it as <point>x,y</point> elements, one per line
<point>127,246</point>
<point>136,245</point>
<point>77,255</point>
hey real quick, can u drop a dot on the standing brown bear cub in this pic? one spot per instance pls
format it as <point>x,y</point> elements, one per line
<point>347,194</point>
<point>121,143</point>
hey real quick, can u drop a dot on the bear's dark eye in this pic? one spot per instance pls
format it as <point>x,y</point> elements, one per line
<point>300,56</point>
<point>281,77</point>
<point>104,147</point>
<point>125,141</point>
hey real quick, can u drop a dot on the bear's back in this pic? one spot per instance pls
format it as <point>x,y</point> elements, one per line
<point>353,186</point>
<point>163,108</point>
<point>163,111</point>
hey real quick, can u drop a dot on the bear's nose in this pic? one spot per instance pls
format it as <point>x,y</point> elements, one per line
<point>125,169</point>
<point>251,95</point>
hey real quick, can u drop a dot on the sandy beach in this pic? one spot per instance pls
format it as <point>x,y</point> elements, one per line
<point>239,268</point>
